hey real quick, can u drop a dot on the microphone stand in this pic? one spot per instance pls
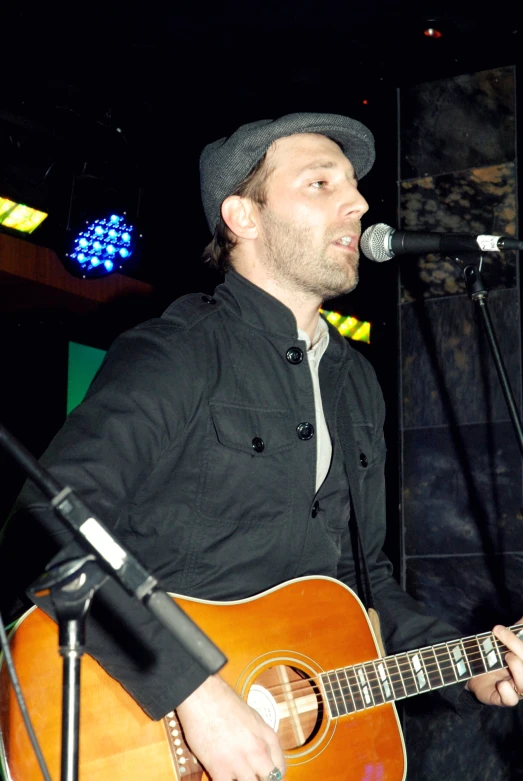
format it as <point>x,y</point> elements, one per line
<point>478,292</point>
<point>72,585</point>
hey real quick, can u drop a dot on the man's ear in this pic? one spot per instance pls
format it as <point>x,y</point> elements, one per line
<point>239,215</point>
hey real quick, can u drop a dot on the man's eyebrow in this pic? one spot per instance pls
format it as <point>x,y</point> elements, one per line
<point>318,164</point>
<point>314,166</point>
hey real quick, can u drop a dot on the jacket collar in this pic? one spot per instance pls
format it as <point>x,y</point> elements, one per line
<point>255,307</point>
<point>260,310</point>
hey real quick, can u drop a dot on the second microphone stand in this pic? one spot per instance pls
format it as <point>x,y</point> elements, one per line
<point>478,292</point>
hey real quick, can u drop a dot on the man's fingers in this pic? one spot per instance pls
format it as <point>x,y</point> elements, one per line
<point>509,639</point>
<point>260,760</point>
<point>230,739</point>
<point>515,666</point>
<point>277,757</point>
<point>514,660</point>
<point>274,774</point>
<point>270,763</point>
<point>507,695</point>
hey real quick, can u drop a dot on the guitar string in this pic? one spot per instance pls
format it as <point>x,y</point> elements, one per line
<point>395,678</point>
<point>404,665</point>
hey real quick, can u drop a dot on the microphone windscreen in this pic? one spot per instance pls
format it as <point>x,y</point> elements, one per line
<point>375,242</point>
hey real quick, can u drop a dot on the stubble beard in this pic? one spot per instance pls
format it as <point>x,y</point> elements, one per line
<point>293,260</point>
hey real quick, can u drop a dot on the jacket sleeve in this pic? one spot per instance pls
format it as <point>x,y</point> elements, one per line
<point>106,447</point>
<point>404,623</point>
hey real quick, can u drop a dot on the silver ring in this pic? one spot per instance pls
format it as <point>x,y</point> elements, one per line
<point>275,775</point>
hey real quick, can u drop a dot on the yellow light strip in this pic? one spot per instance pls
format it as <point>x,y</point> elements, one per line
<point>19,217</point>
<point>359,330</point>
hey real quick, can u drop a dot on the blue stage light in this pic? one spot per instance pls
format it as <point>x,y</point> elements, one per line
<point>102,246</point>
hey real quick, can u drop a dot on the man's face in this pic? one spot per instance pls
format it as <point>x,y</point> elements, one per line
<point>310,225</point>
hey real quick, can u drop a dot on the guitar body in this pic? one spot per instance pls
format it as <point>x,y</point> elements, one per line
<point>275,642</point>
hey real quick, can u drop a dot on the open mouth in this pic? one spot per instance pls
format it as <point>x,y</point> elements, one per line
<point>347,242</point>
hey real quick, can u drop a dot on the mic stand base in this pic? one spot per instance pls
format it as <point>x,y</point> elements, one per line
<point>71,586</point>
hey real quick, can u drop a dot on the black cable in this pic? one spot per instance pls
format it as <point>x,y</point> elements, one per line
<point>4,647</point>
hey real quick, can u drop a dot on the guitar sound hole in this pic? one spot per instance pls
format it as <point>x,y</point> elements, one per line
<point>290,702</point>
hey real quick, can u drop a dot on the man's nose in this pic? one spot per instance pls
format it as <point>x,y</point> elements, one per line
<point>354,204</point>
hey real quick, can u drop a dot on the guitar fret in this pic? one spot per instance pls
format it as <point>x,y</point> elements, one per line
<point>466,657</point>
<point>440,673</point>
<point>347,692</point>
<point>385,681</point>
<point>407,675</point>
<point>475,658</point>
<point>445,663</point>
<point>329,695</point>
<point>412,683</point>
<point>489,650</point>
<point>398,685</point>
<point>432,667</point>
<point>377,691</point>
<point>338,699</point>
<point>342,703</point>
<point>419,671</point>
<point>459,660</point>
<point>337,695</point>
<point>355,689</point>
<point>365,688</point>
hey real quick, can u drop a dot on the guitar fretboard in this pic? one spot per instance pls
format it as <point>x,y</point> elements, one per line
<point>365,685</point>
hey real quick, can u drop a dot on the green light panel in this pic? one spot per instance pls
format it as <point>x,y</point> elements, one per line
<point>83,364</point>
<point>19,217</point>
<point>359,330</point>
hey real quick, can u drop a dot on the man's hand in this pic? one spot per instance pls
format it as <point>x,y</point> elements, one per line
<point>227,736</point>
<point>502,687</point>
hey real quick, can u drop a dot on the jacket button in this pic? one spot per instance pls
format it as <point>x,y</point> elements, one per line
<point>208,300</point>
<point>305,430</point>
<point>363,459</point>
<point>258,445</point>
<point>315,509</point>
<point>294,355</point>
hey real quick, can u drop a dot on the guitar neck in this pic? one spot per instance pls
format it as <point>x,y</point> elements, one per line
<point>396,677</point>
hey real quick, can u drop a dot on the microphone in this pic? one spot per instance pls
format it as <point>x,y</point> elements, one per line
<point>381,242</point>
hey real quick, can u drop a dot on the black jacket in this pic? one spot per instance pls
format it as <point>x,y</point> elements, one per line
<point>162,451</point>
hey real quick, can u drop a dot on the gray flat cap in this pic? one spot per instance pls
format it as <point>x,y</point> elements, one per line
<point>225,163</point>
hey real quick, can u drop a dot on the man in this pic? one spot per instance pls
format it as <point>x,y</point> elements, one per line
<point>212,439</point>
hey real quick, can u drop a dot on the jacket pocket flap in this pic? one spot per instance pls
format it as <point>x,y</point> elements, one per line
<point>242,428</point>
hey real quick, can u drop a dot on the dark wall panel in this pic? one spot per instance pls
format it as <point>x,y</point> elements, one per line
<point>477,201</point>
<point>461,466</point>
<point>462,490</point>
<point>448,373</point>
<point>459,123</point>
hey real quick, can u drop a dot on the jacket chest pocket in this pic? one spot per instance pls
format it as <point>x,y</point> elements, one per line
<point>247,469</point>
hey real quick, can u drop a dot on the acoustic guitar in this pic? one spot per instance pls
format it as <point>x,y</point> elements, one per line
<point>302,654</point>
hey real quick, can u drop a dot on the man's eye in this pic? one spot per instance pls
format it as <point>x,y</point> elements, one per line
<point>319,185</point>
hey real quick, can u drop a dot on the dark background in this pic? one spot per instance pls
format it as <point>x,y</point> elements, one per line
<point>111,103</point>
